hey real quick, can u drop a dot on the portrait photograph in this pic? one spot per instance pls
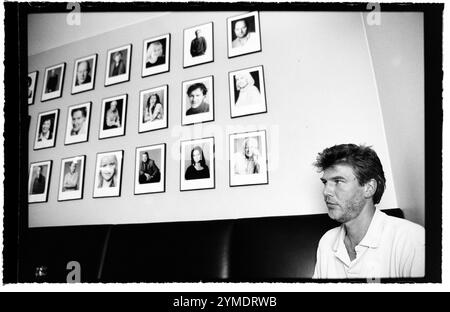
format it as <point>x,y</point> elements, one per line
<point>113,116</point>
<point>84,74</point>
<point>197,164</point>
<point>77,125</point>
<point>108,174</point>
<point>53,82</point>
<point>32,82</point>
<point>247,92</point>
<point>153,109</point>
<point>156,55</point>
<point>244,34</point>
<point>118,65</point>
<point>248,158</point>
<point>71,178</point>
<point>150,169</point>
<point>39,181</point>
<point>198,45</point>
<point>197,101</point>
<point>46,128</point>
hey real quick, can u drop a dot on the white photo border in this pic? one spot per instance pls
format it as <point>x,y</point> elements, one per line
<point>72,195</point>
<point>151,188</point>
<point>159,124</point>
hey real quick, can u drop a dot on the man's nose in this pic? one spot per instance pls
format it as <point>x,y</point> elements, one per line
<point>327,189</point>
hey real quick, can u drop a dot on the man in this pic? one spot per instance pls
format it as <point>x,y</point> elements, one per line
<point>244,38</point>
<point>198,44</point>
<point>369,243</point>
<point>71,178</point>
<point>52,82</point>
<point>78,121</point>
<point>83,73</point>
<point>112,117</point>
<point>197,97</point>
<point>45,133</point>
<point>148,171</point>
<point>39,182</point>
<point>117,67</point>
<point>247,162</point>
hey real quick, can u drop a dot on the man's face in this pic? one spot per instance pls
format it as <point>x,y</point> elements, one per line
<point>240,29</point>
<point>46,126</point>
<point>342,193</point>
<point>77,120</point>
<point>38,171</point>
<point>113,105</point>
<point>117,57</point>
<point>73,167</point>
<point>82,72</point>
<point>250,147</point>
<point>196,97</point>
<point>198,33</point>
<point>144,157</point>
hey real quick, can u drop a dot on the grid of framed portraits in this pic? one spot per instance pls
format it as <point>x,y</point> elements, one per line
<point>53,82</point>
<point>113,116</point>
<point>248,158</point>
<point>153,109</point>
<point>156,55</point>
<point>77,125</point>
<point>39,181</point>
<point>244,35</point>
<point>118,65</point>
<point>247,92</point>
<point>108,174</point>
<point>71,178</point>
<point>84,74</point>
<point>150,172</point>
<point>198,45</point>
<point>198,101</point>
<point>31,81</point>
<point>46,129</point>
<point>197,164</point>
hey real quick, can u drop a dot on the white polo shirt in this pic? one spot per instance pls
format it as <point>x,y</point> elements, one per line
<point>391,248</point>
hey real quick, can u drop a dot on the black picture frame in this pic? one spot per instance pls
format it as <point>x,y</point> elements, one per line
<point>252,32</point>
<point>50,141</point>
<point>208,83</point>
<point>157,68</point>
<point>32,83</point>
<point>198,183</point>
<point>121,110</point>
<point>102,192</point>
<point>77,193</point>
<point>84,136</point>
<point>85,86</point>
<point>111,77</point>
<point>200,57</point>
<point>240,176</point>
<point>162,93</point>
<point>158,186</point>
<point>52,88</point>
<point>39,197</point>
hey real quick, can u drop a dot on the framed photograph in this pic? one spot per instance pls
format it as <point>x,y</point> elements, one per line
<point>53,82</point>
<point>46,128</point>
<point>113,117</point>
<point>32,82</point>
<point>248,158</point>
<point>247,92</point>
<point>84,74</point>
<point>198,45</point>
<point>108,174</point>
<point>118,65</point>
<point>198,101</point>
<point>244,35</point>
<point>153,109</point>
<point>197,167</point>
<point>150,172</point>
<point>156,55</point>
<point>71,180</point>
<point>39,181</point>
<point>77,125</point>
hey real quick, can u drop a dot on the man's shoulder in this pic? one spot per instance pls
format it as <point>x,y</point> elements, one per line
<point>330,236</point>
<point>405,228</point>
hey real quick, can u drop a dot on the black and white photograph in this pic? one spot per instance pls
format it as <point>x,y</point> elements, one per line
<point>156,55</point>
<point>32,82</point>
<point>197,101</point>
<point>247,92</point>
<point>113,116</point>
<point>71,180</point>
<point>108,174</point>
<point>244,34</point>
<point>46,128</point>
<point>84,72</point>
<point>77,124</point>
<point>198,45</point>
<point>118,65</point>
<point>53,82</point>
<point>197,164</point>
<point>39,181</point>
<point>153,109</point>
<point>150,172</point>
<point>248,158</point>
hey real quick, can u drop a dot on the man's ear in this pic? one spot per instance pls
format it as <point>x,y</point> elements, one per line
<point>370,188</point>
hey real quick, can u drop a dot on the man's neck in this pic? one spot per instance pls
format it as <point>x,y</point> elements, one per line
<point>357,228</point>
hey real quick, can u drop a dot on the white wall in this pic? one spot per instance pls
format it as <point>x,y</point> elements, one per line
<point>396,46</point>
<point>320,90</point>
